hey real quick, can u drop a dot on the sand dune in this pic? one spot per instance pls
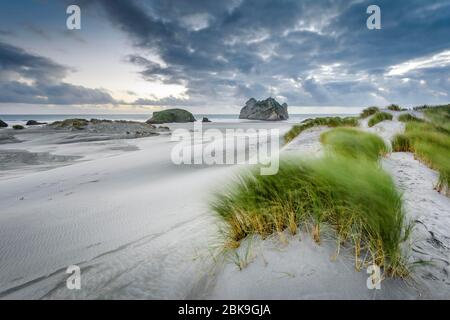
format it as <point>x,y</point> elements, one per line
<point>297,268</point>
<point>133,221</point>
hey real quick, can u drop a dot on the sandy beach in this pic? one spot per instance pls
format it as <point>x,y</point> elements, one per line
<point>120,209</point>
<point>140,226</point>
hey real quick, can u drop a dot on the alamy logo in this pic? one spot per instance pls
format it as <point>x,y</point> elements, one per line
<point>73,22</point>
<point>374,280</point>
<point>374,20</point>
<point>230,146</point>
<point>74,280</point>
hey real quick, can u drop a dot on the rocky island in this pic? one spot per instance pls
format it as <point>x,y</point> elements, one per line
<point>170,116</point>
<point>268,110</point>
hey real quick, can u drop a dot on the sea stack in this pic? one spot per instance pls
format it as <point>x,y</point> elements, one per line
<point>267,110</point>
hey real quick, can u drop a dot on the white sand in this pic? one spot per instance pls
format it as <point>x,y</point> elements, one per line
<point>133,221</point>
<point>427,208</point>
<point>430,211</point>
<point>299,268</point>
<point>306,144</point>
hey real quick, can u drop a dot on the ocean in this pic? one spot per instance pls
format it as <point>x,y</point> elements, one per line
<point>12,119</point>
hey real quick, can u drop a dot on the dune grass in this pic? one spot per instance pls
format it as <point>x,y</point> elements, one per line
<point>439,116</point>
<point>430,142</point>
<point>406,117</point>
<point>379,117</point>
<point>368,112</point>
<point>354,143</point>
<point>346,190</point>
<point>394,107</point>
<point>401,143</point>
<point>325,121</point>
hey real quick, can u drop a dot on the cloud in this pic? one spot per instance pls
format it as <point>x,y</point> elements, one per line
<point>133,19</point>
<point>229,51</point>
<point>196,21</point>
<point>61,93</point>
<point>28,78</point>
<point>306,52</point>
<point>15,62</point>
<point>441,59</point>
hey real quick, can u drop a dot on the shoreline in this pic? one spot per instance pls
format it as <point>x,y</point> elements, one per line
<point>21,119</point>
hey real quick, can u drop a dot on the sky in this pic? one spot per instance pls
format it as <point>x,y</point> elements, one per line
<point>136,56</point>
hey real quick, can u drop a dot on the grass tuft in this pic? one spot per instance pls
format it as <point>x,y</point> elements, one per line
<point>354,143</point>
<point>406,117</point>
<point>346,190</point>
<point>325,121</point>
<point>401,143</point>
<point>439,116</point>
<point>368,112</point>
<point>430,143</point>
<point>379,117</point>
<point>394,107</point>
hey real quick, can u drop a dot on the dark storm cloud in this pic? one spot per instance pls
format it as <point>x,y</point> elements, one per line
<point>133,19</point>
<point>13,59</point>
<point>410,29</point>
<point>59,93</point>
<point>302,52</point>
<point>28,78</point>
<point>229,51</point>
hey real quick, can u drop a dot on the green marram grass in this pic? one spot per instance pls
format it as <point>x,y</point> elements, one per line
<point>368,112</point>
<point>345,190</point>
<point>439,116</point>
<point>354,143</point>
<point>401,143</point>
<point>324,121</point>
<point>430,142</point>
<point>394,107</point>
<point>379,117</point>
<point>406,117</point>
